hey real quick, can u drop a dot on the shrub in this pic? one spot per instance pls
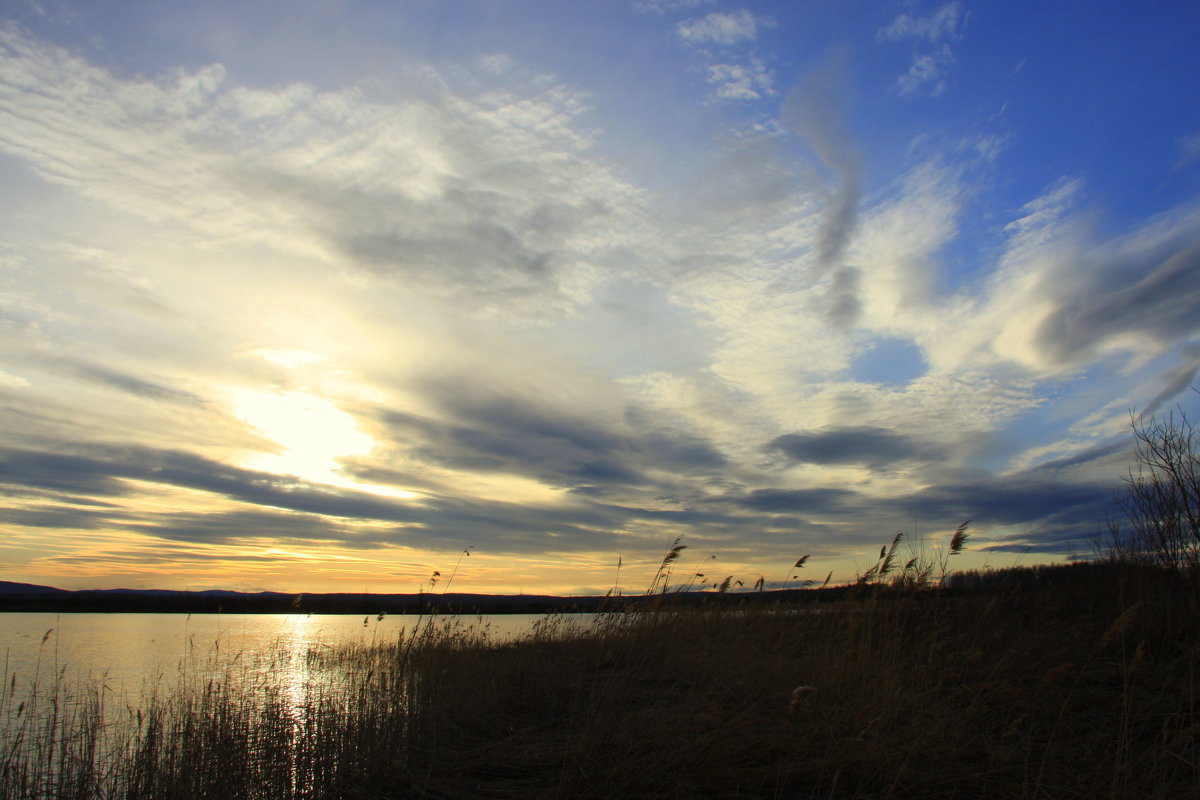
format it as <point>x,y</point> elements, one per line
<point>1161,501</point>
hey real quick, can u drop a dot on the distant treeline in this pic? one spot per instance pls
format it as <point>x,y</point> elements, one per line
<point>155,601</point>
<point>26,598</point>
<point>164,602</point>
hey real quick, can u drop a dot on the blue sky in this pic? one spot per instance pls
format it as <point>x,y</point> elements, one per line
<point>317,295</point>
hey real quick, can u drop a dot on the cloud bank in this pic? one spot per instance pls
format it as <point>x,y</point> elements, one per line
<point>332,334</point>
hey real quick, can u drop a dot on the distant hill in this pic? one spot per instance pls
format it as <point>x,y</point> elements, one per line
<point>8,587</point>
<point>28,597</point>
<point>183,593</point>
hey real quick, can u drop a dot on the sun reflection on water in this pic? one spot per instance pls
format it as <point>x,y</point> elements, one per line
<point>276,681</point>
<point>295,681</point>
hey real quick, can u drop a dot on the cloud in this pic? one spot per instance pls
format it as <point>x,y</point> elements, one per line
<point>278,527</point>
<point>1037,510</point>
<point>55,472</point>
<point>439,522</point>
<point>492,200</point>
<point>593,476</point>
<point>549,359</point>
<point>873,446</point>
<point>131,384</point>
<point>720,28</point>
<point>666,6</point>
<point>1064,298</point>
<point>927,73</point>
<point>1056,508</point>
<point>105,470</point>
<point>799,501</point>
<point>945,22</point>
<point>1038,214</point>
<point>1017,500</point>
<point>900,236</point>
<point>1057,297</point>
<point>815,109</point>
<point>740,82</point>
<point>485,431</point>
<point>1177,380</point>
<point>1158,305</point>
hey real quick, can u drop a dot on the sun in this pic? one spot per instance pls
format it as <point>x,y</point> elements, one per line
<point>313,436</point>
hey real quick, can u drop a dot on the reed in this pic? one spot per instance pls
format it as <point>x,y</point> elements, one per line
<point>1072,681</point>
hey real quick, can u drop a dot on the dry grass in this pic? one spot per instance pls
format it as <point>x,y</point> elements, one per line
<point>1042,683</point>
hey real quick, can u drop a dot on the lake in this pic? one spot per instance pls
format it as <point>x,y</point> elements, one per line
<point>133,654</point>
<point>96,692</point>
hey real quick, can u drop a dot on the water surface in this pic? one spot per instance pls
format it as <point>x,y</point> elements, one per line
<point>131,653</point>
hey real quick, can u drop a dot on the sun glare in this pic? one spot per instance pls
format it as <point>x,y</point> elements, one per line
<point>312,434</point>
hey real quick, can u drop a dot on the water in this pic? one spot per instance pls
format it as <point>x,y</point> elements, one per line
<point>83,694</point>
<point>133,654</point>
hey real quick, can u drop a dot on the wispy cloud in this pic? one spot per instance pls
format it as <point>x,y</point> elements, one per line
<point>815,109</point>
<point>1068,296</point>
<point>1041,213</point>
<point>479,198</point>
<point>943,23</point>
<point>1177,380</point>
<point>666,6</point>
<point>740,82</point>
<point>720,28</point>
<point>927,73</point>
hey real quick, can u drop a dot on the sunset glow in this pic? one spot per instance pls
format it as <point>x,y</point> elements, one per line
<point>322,297</point>
<point>312,435</point>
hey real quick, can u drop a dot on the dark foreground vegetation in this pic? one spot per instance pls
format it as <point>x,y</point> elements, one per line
<point>1052,682</point>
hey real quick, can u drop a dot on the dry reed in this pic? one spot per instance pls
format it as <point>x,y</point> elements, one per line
<point>1034,683</point>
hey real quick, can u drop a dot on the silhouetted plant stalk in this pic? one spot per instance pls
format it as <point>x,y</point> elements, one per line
<point>662,576</point>
<point>923,570</point>
<point>792,573</point>
<point>464,554</point>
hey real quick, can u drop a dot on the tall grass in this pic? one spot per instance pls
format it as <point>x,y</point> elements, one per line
<point>1076,681</point>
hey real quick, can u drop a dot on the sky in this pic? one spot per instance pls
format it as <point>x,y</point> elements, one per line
<point>328,295</point>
